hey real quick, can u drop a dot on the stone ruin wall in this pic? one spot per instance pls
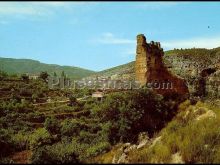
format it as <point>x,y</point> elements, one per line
<point>149,68</point>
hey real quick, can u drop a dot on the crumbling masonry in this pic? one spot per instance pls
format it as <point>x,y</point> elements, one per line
<point>150,69</point>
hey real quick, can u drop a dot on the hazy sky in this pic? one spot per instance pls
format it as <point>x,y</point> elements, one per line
<point>100,35</point>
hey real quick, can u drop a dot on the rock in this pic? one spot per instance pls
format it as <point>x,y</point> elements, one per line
<point>143,139</point>
<point>208,114</point>
<point>200,111</point>
<point>128,149</point>
<point>177,158</point>
<point>123,158</point>
<point>114,160</point>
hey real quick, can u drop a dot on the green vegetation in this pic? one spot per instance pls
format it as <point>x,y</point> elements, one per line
<point>192,133</point>
<point>23,66</point>
<point>79,130</point>
<point>44,76</point>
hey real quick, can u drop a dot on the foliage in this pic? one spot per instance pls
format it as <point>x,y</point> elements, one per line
<point>20,141</point>
<point>70,127</point>
<point>39,138</point>
<point>197,141</point>
<point>132,112</point>
<point>20,66</point>
<point>56,154</point>
<point>24,77</point>
<point>3,75</point>
<point>52,125</point>
<point>44,75</point>
<point>73,101</point>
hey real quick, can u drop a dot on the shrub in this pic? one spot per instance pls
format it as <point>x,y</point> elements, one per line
<point>73,101</point>
<point>20,141</point>
<point>52,125</point>
<point>41,156</point>
<point>56,154</point>
<point>97,149</point>
<point>70,128</point>
<point>132,112</point>
<point>44,76</point>
<point>39,138</point>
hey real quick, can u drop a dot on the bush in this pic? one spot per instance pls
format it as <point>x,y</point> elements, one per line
<point>52,125</point>
<point>56,154</point>
<point>73,101</point>
<point>132,112</point>
<point>20,141</point>
<point>44,76</point>
<point>70,128</point>
<point>41,156</point>
<point>98,148</point>
<point>39,138</point>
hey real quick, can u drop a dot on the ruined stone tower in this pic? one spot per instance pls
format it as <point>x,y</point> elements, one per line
<point>149,56</point>
<point>150,69</point>
<point>141,60</point>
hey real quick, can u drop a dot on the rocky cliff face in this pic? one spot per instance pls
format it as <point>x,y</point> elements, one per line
<point>199,67</point>
<point>151,71</point>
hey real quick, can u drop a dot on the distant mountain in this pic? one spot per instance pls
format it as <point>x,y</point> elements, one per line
<point>19,66</point>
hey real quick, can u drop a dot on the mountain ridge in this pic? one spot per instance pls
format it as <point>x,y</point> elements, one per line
<point>20,66</point>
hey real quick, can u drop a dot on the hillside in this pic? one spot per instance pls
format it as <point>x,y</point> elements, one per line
<point>19,66</point>
<point>176,142</point>
<point>125,71</point>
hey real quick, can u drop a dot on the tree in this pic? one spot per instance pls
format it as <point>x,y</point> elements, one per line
<point>63,74</point>
<point>55,74</point>
<point>44,76</point>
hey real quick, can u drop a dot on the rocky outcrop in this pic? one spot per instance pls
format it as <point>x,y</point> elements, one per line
<point>199,67</point>
<point>123,155</point>
<point>151,71</point>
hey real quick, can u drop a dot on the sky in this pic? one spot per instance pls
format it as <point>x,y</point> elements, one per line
<point>101,35</point>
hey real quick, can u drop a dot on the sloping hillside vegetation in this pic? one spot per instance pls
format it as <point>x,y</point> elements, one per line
<point>21,66</point>
<point>191,137</point>
<point>74,131</point>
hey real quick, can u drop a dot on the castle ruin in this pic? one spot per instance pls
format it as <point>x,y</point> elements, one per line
<point>149,68</point>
